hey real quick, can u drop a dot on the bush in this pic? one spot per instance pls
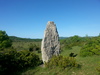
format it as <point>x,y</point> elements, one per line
<point>98,68</point>
<point>12,61</point>
<point>76,40</point>
<point>85,52</point>
<point>7,61</point>
<point>33,47</point>
<point>26,59</point>
<point>92,47</point>
<point>62,62</point>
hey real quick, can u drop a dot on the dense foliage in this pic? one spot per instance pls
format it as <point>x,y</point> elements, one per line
<point>92,47</point>
<point>68,43</point>
<point>62,62</point>
<point>11,60</point>
<point>34,47</point>
<point>5,42</point>
<point>21,55</point>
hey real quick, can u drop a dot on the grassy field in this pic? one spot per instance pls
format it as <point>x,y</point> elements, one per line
<point>88,66</point>
<point>23,45</point>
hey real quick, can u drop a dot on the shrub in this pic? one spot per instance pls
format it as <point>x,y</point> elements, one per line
<point>33,47</point>
<point>7,61</point>
<point>12,61</point>
<point>69,42</point>
<point>85,52</point>
<point>61,61</point>
<point>92,47</point>
<point>98,68</point>
<point>26,58</point>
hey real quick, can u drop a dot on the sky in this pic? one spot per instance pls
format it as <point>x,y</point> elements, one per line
<point>28,18</point>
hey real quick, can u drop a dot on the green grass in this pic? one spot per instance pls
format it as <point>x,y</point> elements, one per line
<point>74,49</point>
<point>24,45</point>
<point>88,66</point>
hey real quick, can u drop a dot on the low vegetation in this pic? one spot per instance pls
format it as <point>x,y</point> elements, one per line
<point>92,47</point>
<point>61,62</point>
<point>98,68</point>
<point>11,60</point>
<point>87,65</point>
<point>79,56</point>
<point>18,39</point>
<point>76,40</point>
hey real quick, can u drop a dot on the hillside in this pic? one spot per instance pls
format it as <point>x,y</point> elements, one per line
<point>18,39</point>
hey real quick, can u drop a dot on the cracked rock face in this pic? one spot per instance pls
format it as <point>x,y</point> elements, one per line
<point>50,43</point>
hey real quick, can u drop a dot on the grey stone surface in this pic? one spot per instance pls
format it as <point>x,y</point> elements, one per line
<point>50,43</point>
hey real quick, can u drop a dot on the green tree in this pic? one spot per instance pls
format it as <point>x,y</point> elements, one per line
<point>5,42</point>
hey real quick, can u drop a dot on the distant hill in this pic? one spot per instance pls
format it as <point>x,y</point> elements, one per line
<point>19,39</point>
<point>63,37</point>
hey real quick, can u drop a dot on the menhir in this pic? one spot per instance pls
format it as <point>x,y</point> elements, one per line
<point>50,43</point>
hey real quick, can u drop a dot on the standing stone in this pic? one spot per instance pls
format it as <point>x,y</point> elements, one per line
<point>50,43</point>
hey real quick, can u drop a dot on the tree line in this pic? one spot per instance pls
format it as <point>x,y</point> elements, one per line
<point>18,39</point>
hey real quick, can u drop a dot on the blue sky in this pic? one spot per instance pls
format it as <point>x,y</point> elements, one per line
<point>28,18</point>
